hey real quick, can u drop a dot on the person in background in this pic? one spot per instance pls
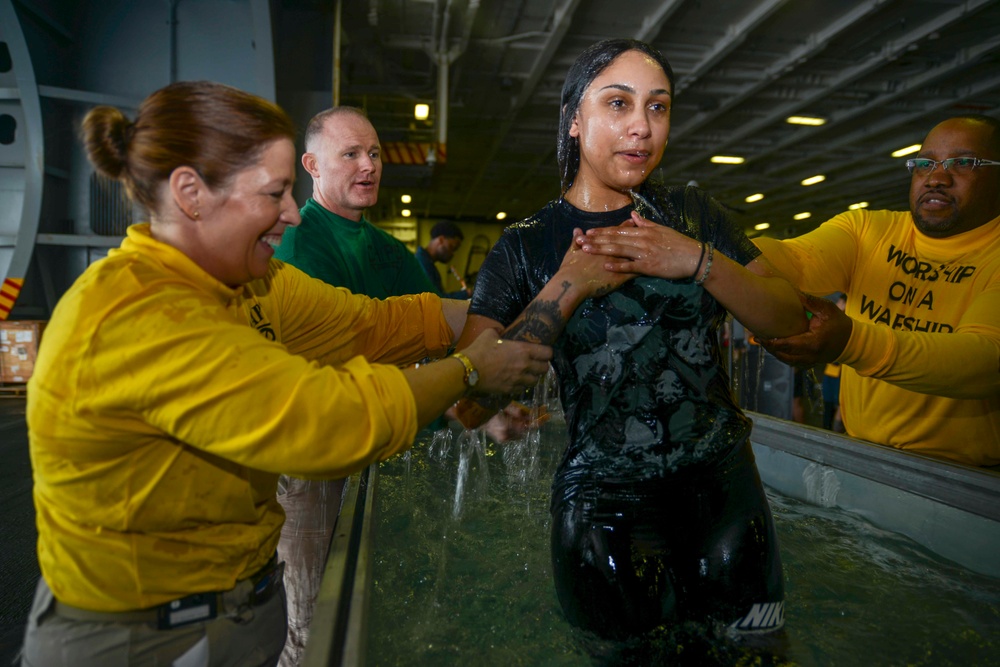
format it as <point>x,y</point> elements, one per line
<point>446,238</point>
<point>919,342</point>
<point>335,242</point>
<point>183,373</point>
<point>831,386</point>
<point>658,513</point>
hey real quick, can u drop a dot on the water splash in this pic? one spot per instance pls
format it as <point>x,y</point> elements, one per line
<point>548,397</point>
<point>471,447</point>
<point>521,456</point>
<point>440,445</point>
<point>644,207</point>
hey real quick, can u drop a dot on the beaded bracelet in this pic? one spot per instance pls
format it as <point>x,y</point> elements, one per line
<point>708,265</point>
<point>698,265</point>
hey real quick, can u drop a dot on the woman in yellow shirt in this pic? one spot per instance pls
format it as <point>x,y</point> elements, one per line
<point>180,375</point>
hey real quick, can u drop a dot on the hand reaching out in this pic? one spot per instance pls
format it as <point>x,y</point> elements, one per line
<point>827,336</point>
<point>506,366</point>
<point>514,421</point>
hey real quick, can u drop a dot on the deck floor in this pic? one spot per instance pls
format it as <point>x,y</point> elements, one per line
<point>18,562</point>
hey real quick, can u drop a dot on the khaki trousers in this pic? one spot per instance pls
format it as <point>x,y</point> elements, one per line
<point>247,637</point>
<point>311,510</point>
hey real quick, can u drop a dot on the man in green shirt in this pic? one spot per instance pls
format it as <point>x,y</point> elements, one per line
<point>336,244</point>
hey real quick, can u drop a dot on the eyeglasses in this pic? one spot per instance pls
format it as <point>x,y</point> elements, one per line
<point>957,165</point>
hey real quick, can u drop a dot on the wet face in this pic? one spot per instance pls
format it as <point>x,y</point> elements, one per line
<point>622,125</point>
<point>946,203</point>
<point>346,165</point>
<point>244,222</point>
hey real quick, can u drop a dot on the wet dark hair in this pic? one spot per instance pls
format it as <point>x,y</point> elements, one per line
<point>582,72</point>
<point>215,129</point>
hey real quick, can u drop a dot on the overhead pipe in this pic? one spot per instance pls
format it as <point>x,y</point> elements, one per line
<point>444,56</point>
<point>436,20</point>
<point>442,101</point>
<point>562,17</point>
<point>470,18</point>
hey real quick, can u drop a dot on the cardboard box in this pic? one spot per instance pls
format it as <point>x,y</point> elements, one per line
<point>19,349</point>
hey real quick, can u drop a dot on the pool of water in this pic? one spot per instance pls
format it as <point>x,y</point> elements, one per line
<point>462,577</point>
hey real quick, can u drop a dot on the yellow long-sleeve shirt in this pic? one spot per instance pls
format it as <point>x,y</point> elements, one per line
<point>921,366</point>
<point>164,404</point>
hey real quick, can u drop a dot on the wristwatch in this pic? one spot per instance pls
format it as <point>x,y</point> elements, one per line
<point>471,374</point>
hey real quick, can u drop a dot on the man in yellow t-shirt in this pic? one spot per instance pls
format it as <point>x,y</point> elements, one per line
<point>919,342</point>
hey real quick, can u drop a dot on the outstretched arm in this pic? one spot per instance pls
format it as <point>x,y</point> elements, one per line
<point>962,364</point>
<point>503,366</point>
<point>822,343</point>
<point>455,312</point>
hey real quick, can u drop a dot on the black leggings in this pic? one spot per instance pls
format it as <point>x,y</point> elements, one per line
<point>628,556</point>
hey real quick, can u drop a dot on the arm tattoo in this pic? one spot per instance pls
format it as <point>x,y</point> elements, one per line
<point>541,322</point>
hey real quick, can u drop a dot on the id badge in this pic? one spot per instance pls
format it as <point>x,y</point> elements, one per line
<point>192,609</point>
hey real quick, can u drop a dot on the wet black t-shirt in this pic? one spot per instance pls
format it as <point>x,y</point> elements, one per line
<point>641,376</point>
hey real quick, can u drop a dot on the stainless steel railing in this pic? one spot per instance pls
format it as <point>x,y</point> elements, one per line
<point>338,634</point>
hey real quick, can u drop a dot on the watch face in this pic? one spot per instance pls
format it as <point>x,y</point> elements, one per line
<point>473,378</point>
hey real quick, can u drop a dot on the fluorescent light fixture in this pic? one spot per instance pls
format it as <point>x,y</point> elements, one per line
<point>802,216</point>
<point>405,213</point>
<point>813,180</point>
<point>752,198</point>
<point>501,215</point>
<point>728,159</point>
<point>906,151</point>
<point>761,226</point>
<point>406,199</point>
<point>855,207</point>
<point>805,120</point>
<point>421,111</point>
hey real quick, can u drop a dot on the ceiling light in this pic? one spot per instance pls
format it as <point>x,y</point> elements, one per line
<point>805,120</point>
<point>802,216</point>
<point>405,213</point>
<point>501,215</point>
<point>813,180</point>
<point>855,207</point>
<point>421,111</point>
<point>752,198</point>
<point>406,199</point>
<point>761,226</point>
<point>906,151</point>
<point>728,159</point>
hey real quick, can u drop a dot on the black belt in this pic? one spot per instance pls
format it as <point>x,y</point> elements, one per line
<point>194,608</point>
